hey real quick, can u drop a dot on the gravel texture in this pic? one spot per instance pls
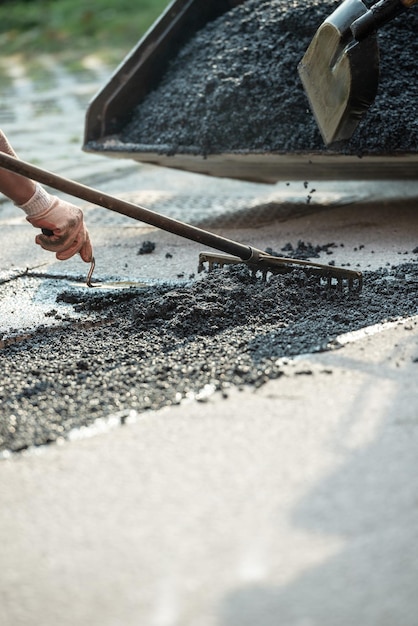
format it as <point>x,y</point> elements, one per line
<point>154,347</point>
<point>235,87</point>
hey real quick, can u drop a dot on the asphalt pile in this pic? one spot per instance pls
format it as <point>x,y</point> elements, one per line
<point>234,86</point>
<point>154,347</point>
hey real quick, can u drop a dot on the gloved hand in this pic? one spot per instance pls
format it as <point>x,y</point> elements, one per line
<point>64,220</point>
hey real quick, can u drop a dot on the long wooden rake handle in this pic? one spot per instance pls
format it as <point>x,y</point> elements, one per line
<point>253,256</point>
<point>123,207</point>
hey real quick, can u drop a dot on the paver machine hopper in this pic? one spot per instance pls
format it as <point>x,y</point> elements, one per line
<point>141,72</point>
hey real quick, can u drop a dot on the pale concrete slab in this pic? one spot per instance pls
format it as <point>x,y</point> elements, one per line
<point>293,504</point>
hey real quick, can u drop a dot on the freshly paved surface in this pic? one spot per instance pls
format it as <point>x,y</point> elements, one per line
<point>294,504</point>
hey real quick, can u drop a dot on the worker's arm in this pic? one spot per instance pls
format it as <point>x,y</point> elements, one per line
<point>14,186</point>
<point>64,221</point>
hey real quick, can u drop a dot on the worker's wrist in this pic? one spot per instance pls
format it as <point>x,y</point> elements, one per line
<point>39,202</point>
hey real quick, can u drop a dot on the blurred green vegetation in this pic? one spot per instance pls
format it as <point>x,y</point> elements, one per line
<point>73,27</point>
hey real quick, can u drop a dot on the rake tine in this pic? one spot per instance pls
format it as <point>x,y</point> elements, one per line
<point>330,276</point>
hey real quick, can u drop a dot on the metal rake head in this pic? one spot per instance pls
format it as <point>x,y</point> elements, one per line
<point>263,265</point>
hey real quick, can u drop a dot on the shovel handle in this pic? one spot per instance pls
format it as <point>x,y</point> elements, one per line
<point>378,15</point>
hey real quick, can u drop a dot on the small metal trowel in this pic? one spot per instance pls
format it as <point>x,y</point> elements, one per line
<point>340,69</point>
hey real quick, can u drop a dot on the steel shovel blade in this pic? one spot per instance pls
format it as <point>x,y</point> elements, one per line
<point>339,74</point>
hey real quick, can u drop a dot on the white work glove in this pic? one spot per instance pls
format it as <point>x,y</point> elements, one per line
<point>64,220</point>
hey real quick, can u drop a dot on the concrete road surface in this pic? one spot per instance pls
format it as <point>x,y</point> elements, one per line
<point>294,504</point>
